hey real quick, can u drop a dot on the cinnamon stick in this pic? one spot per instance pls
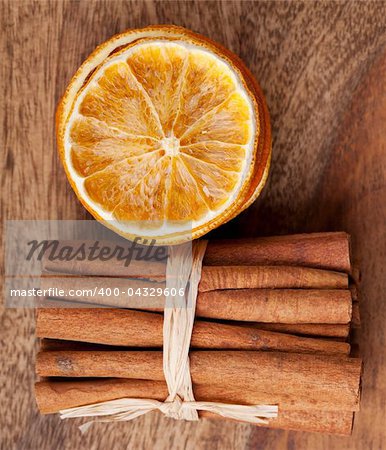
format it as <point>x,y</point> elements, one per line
<point>143,329</point>
<point>53,396</point>
<point>222,277</point>
<point>323,330</point>
<point>59,344</point>
<point>330,306</point>
<point>277,306</point>
<point>103,258</point>
<point>320,250</point>
<point>270,277</point>
<point>293,381</point>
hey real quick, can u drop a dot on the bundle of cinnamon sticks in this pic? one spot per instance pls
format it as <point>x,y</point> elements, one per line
<point>272,326</point>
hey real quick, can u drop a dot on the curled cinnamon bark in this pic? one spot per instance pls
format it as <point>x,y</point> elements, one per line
<point>53,396</point>
<point>143,329</point>
<point>292,381</point>
<point>320,250</point>
<point>296,306</point>
<point>329,250</point>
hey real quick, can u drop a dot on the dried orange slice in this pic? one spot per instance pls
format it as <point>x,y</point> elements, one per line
<point>164,134</point>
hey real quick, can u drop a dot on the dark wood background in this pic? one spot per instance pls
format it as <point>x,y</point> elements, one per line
<point>322,66</point>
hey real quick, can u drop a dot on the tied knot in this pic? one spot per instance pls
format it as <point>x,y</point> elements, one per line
<point>174,408</point>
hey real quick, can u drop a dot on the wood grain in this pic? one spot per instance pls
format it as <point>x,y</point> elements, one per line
<point>328,173</point>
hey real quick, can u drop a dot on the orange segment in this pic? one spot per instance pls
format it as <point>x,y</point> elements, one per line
<point>118,100</point>
<point>95,146</point>
<point>87,131</point>
<point>229,122</point>
<point>147,201</point>
<point>109,187</point>
<point>185,201</point>
<point>160,69</point>
<point>226,156</point>
<point>206,84</point>
<point>214,184</point>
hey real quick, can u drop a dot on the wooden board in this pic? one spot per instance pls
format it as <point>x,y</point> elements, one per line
<point>322,69</point>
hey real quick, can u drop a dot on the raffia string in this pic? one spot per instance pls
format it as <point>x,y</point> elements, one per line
<point>183,273</point>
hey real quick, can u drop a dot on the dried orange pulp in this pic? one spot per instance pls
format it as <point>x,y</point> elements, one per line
<point>164,134</point>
